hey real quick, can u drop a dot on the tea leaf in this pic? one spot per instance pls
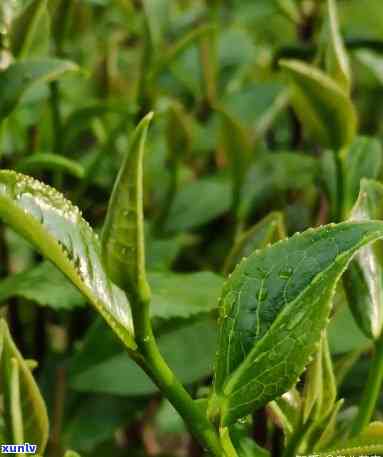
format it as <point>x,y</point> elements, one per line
<point>362,159</point>
<point>43,284</point>
<point>337,64</point>
<point>25,413</point>
<point>56,228</point>
<point>19,76</point>
<point>363,279</point>
<point>331,182</point>
<point>286,411</point>
<point>94,368</point>
<point>321,105</point>
<point>273,309</point>
<point>26,26</point>
<point>269,230</point>
<point>45,161</point>
<point>123,232</point>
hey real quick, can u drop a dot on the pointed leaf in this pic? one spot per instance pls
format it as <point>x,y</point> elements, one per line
<point>25,413</point>
<point>56,228</point>
<point>19,76</point>
<point>337,64</point>
<point>363,281</point>
<point>321,105</point>
<point>269,230</point>
<point>123,233</point>
<point>274,308</point>
<point>286,411</point>
<point>26,26</point>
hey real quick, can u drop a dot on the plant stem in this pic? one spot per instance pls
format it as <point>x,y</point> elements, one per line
<point>296,439</point>
<point>371,391</point>
<point>156,367</point>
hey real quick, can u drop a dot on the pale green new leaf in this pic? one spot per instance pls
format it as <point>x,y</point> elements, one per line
<point>20,76</point>
<point>56,228</point>
<point>363,279</point>
<point>274,308</point>
<point>322,106</point>
<point>25,414</point>
<point>123,247</point>
<point>26,27</point>
<point>337,64</point>
<point>286,411</point>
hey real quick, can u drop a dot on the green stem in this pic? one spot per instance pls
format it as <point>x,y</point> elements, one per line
<point>371,391</point>
<point>297,439</point>
<point>156,367</point>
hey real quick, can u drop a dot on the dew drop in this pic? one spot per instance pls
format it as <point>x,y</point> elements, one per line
<point>286,273</point>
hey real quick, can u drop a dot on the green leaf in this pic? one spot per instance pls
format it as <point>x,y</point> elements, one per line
<point>237,147</point>
<point>337,64</point>
<point>274,308</point>
<point>330,182</point>
<point>330,427</point>
<point>321,105</point>
<point>20,76</point>
<point>45,161</point>
<point>198,294</point>
<point>45,285</point>
<point>274,174</point>
<point>189,210</point>
<point>94,368</point>
<point>363,279</point>
<point>363,159</point>
<point>369,442</point>
<point>269,230</point>
<point>26,26</point>
<point>71,454</point>
<point>56,228</point>
<point>25,413</point>
<point>123,242</point>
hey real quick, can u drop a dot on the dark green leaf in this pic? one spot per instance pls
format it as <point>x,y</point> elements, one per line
<point>321,105</point>
<point>189,210</point>
<point>198,294</point>
<point>43,284</point>
<point>24,410</point>
<point>19,76</point>
<point>96,372</point>
<point>273,309</point>
<point>54,226</point>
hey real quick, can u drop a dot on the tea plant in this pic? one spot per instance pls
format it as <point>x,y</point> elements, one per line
<point>237,266</point>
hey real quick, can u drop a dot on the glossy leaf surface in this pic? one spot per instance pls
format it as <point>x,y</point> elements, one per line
<point>123,233</point>
<point>322,106</point>
<point>56,228</point>
<point>19,76</point>
<point>25,413</point>
<point>363,279</point>
<point>273,309</point>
